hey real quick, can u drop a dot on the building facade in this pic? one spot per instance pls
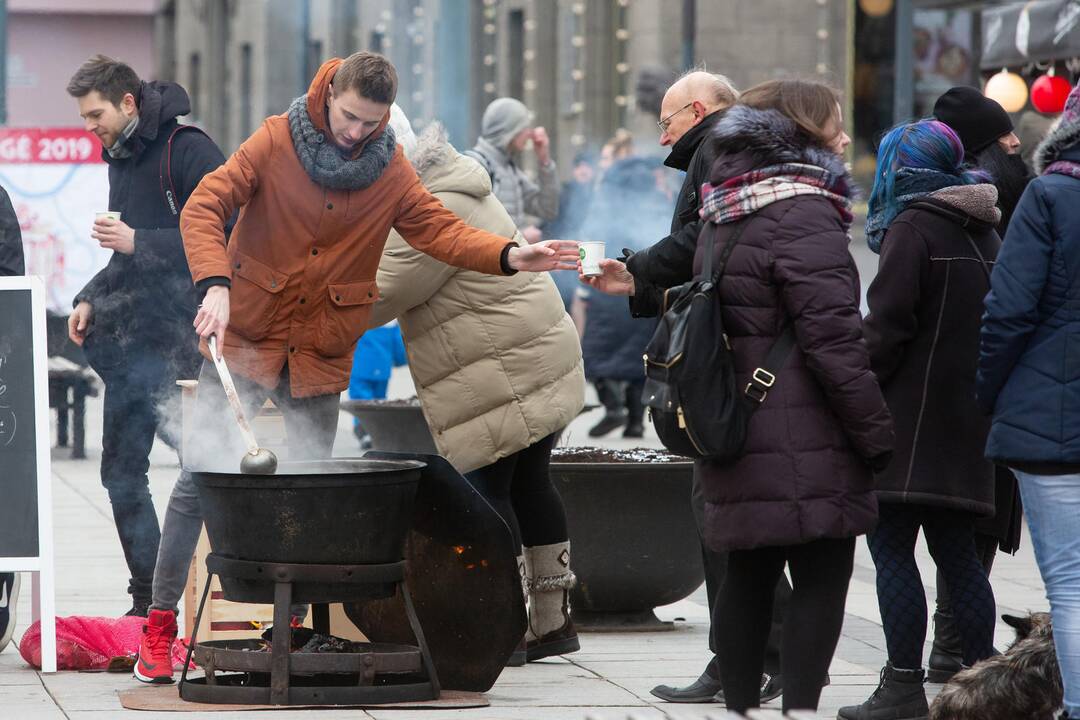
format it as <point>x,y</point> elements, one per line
<point>49,39</point>
<point>577,63</point>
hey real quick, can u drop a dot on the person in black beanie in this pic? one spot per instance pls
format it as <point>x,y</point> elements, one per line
<point>986,131</point>
<point>989,143</point>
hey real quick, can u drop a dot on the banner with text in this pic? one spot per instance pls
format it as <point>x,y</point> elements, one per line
<point>57,181</point>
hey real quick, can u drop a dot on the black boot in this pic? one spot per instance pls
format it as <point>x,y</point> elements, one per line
<point>946,657</point>
<point>702,690</point>
<point>610,421</point>
<point>610,393</point>
<point>899,696</point>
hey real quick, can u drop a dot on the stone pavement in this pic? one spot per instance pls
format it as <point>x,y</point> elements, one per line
<point>608,680</point>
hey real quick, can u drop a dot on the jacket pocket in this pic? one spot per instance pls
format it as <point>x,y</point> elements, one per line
<point>256,291</point>
<point>345,316</point>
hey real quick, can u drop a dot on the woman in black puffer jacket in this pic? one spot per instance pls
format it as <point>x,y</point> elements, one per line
<point>803,489</point>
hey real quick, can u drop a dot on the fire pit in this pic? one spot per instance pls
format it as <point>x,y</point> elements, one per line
<point>632,532</point>
<point>316,532</point>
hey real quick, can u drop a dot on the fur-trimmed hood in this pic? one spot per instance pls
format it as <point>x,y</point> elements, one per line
<point>1063,135</point>
<point>746,138</point>
<point>443,169</point>
<point>974,201</point>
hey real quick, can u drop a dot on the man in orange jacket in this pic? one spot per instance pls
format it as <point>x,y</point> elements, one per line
<point>318,189</point>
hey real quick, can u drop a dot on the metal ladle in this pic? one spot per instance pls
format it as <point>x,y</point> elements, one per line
<point>257,460</point>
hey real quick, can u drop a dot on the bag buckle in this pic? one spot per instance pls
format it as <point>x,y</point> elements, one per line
<point>761,381</point>
<point>764,377</point>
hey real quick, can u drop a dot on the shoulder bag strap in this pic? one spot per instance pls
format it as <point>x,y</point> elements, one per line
<point>725,253</point>
<point>764,377</point>
<point>165,171</point>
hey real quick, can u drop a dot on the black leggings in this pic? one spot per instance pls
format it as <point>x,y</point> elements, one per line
<point>820,571</point>
<point>950,536</point>
<point>519,488</point>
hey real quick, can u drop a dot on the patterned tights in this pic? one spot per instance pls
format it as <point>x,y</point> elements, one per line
<point>901,596</point>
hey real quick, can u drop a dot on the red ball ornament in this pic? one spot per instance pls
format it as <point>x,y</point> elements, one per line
<point>1048,93</point>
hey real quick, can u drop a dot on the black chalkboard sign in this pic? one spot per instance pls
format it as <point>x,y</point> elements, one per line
<point>19,470</point>
<point>25,475</point>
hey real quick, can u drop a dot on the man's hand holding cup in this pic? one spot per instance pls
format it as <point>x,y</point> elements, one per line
<point>112,233</point>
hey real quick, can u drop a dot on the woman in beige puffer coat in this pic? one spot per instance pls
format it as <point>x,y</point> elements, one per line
<point>497,367</point>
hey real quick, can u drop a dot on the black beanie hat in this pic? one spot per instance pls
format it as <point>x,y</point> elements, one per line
<point>977,119</point>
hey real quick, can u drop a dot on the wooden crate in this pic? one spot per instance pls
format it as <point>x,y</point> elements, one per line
<point>225,620</point>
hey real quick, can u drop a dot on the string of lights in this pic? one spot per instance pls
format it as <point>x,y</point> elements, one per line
<point>822,67</point>
<point>577,74</point>
<point>622,66</point>
<point>491,14</point>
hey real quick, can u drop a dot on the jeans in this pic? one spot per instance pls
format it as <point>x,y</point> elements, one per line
<point>140,398</point>
<point>1052,507</point>
<point>215,444</point>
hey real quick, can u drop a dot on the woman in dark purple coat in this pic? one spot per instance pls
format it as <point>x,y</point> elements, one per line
<point>803,490</point>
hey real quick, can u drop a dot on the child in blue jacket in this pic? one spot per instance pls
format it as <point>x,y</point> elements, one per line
<point>379,351</point>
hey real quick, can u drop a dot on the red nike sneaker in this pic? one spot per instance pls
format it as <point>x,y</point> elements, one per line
<point>154,664</point>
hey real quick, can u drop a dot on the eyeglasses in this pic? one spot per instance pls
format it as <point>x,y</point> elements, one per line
<point>666,122</point>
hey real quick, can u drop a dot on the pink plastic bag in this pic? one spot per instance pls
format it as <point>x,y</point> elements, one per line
<point>92,643</point>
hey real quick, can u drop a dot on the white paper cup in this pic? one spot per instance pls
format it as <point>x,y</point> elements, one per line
<point>591,253</point>
<point>107,214</point>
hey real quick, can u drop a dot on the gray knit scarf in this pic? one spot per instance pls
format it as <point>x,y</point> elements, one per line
<point>120,149</point>
<point>325,164</point>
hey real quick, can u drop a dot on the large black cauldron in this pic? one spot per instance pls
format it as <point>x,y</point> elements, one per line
<point>332,512</point>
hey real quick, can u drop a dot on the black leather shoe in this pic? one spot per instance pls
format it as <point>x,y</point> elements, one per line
<point>772,686</point>
<point>703,690</point>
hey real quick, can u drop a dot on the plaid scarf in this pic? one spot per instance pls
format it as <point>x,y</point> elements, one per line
<point>743,195</point>
<point>1063,167</point>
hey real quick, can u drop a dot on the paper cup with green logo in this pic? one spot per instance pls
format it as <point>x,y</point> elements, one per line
<point>107,215</point>
<point>591,253</point>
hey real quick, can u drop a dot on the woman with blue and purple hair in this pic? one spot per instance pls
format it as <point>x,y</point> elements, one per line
<point>933,223</point>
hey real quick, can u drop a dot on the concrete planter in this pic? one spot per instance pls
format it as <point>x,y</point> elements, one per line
<point>634,543</point>
<point>395,426</point>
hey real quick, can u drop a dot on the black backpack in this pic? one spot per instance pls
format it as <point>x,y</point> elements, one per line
<point>690,388</point>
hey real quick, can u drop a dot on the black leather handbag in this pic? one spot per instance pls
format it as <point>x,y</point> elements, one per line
<point>690,391</point>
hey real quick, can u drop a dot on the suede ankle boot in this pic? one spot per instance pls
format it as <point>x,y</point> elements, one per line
<point>899,696</point>
<point>551,632</point>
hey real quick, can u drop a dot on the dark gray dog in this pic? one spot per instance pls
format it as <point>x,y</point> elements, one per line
<point>1022,684</point>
